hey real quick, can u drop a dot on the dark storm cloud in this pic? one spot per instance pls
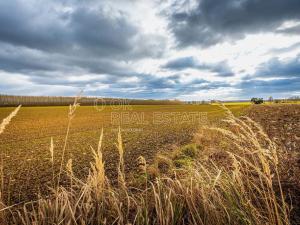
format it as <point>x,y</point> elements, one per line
<point>174,86</point>
<point>29,25</point>
<point>221,69</point>
<point>280,68</point>
<point>94,32</point>
<point>265,88</point>
<point>58,79</point>
<point>150,86</point>
<point>212,21</point>
<point>146,86</point>
<point>78,30</point>
<point>277,78</point>
<point>19,59</point>
<point>19,64</point>
<point>49,42</point>
<point>181,63</point>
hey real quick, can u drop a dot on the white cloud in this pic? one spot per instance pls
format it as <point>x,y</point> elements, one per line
<point>214,94</point>
<point>121,47</point>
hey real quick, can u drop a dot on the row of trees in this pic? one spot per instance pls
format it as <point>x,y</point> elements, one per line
<point>271,100</point>
<point>12,100</point>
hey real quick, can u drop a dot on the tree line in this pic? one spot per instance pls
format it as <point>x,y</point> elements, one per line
<point>13,100</point>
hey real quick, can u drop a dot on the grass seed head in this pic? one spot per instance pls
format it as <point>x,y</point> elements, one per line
<point>51,150</point>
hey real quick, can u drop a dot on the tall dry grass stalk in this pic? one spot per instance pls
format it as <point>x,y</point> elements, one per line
<point>7,120</point>
<point>71,115</point>
<point>51,150</point>
<point>2,206</point>
<point>70,172</point>
<point>232,179</point>
<point>121,166</point>
<point>96,179</point>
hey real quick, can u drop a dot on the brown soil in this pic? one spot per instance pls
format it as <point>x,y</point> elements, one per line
<point>24,146</point>
<point>282,124</point>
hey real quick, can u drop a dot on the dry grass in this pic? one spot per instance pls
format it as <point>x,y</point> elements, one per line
<point>229,176</point>
<point>72,109</point>
<point>121,166</point>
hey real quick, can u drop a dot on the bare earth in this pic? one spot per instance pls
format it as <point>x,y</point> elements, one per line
<point>24,146</point>
<point>282,124</point>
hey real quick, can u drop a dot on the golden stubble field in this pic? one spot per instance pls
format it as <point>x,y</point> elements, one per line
<point>146,130</point>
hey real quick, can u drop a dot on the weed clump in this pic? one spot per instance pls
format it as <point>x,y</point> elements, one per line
<point>190,150</point>
<point>163,164</point>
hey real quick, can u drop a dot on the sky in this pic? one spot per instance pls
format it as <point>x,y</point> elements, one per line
<point>151,49</point>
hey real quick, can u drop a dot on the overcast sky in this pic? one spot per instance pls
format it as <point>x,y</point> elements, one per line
<point>184,49</point>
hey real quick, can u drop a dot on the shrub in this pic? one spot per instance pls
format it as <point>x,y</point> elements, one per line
<point>183,162</point>
<point>189,150</point>
<point>257,100</point>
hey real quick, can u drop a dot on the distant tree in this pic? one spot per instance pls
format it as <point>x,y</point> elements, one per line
<point>257,100</point>
<point>295,98</point>
<point>271,99</point>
